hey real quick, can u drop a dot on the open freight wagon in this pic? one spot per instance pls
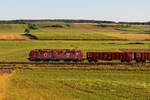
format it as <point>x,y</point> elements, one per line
<point>122,56</point>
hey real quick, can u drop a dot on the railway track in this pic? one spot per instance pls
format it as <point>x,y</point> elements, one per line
<point>63,63</point>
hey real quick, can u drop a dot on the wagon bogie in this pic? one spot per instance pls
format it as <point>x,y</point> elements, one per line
<point>128,61</point>
<point>122,61</point>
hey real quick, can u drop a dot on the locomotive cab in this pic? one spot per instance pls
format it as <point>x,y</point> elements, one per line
<point>34,55</point>
<point>55,55</point>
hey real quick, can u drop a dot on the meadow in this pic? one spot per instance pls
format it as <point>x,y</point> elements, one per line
<point>75,31</point>
<point>90,31</point>
<point>48,84</point>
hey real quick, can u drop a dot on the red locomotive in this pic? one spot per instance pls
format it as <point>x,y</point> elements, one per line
<point>55,55</point>
<point>77,55</point>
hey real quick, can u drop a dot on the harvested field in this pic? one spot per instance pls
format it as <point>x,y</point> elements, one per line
<point>5,74</point>
<point>135,37</point>
<point>13,37</point>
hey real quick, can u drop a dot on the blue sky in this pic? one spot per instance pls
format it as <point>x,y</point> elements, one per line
<point>115,10</point>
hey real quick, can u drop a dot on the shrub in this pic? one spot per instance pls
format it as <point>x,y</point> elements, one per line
<point>57,26</point>
<point>26,31</point>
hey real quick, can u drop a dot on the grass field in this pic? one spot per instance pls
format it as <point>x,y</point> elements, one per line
<point>72,34</point>
<point>90,32</point>
<point>79,31</point>
<point>46,84</point>
<point>19,50</point>
<point>12,28</point>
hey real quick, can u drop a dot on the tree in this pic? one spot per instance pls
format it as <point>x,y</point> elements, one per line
<point>32,26</point>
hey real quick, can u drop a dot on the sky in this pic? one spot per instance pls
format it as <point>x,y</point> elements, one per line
<point>112,10</point>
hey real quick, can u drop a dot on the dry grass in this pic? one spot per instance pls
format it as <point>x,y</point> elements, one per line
<point>130,36</point>
<point>4,78</point>
<point>13,37</point>
<point>53,84</point>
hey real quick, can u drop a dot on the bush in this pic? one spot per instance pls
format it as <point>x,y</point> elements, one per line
<point>57,26</point>
<point>32,26</point>
<point>26,31</point>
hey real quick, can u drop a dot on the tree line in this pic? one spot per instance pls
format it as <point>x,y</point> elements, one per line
<point>69,21</point>
<point>50,20</point>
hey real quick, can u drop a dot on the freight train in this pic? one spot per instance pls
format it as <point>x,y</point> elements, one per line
<point>77,55</point>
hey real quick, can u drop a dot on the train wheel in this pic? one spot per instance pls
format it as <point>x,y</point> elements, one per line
<point>37,60</point>
<point>122,61</point>
<point>143,61</point>
<point>137,61</point>
<point>95,61</point>
<point>67,61</point>
<point>75,61</point>
<point>46,61</point>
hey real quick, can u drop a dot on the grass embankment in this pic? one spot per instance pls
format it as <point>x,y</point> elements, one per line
<point>46,84</point>
<point>19,50</point>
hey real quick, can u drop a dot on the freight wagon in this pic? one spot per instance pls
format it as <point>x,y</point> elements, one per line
<point>109,56</point>
<point>122,56</point>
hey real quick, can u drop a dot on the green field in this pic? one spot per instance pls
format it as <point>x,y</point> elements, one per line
<point>75,31</point>
<point>12,28</point>
<point>84,31</point>
<point>19,50</point>
<point>71,34</point>
<point>46,84</point>
<point>135,28</point>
